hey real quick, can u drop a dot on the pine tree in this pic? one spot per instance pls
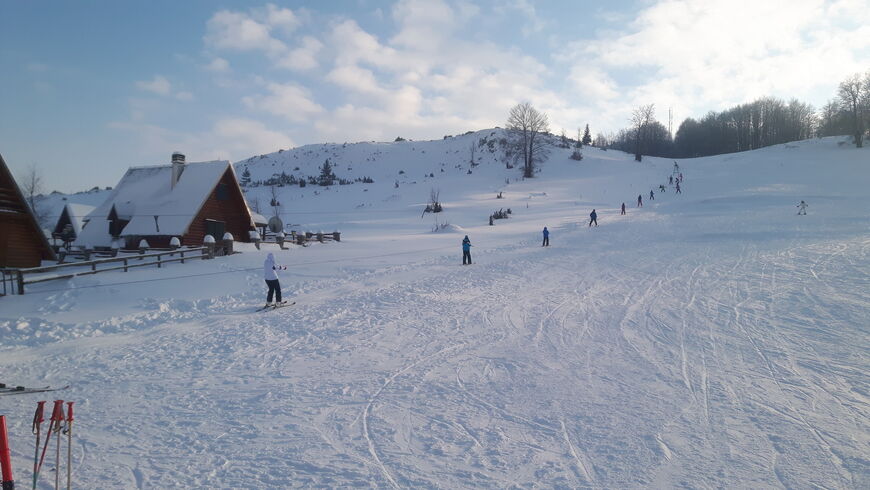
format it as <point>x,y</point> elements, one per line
<point>246,178</point>
<point>326,175</point>
<point>587,138</point>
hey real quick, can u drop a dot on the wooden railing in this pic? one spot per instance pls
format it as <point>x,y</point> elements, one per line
<point>14,280</point>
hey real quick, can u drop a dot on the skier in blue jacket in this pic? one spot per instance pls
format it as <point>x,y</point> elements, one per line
<point>466,251</point>
<point>593,218</point>
<point>546,238</point>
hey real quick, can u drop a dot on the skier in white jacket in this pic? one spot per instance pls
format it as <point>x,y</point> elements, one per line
<point>270,274</point>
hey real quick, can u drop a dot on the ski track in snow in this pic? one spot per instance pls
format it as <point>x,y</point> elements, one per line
<point>649,355</point>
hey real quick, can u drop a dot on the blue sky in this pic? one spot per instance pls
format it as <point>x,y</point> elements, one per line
<point>93,87</point>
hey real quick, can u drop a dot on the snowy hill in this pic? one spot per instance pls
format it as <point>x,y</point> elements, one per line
<point>711,338</point>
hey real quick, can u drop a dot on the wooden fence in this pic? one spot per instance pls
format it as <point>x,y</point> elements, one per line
<point>14,280</point>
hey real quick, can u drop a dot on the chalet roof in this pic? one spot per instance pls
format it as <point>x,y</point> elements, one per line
<point>146,192</point>
<point>76,214</point>
<point>12,203</point>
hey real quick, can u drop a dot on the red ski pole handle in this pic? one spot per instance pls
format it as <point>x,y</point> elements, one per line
<point>69,411</point>
<point>57,414</point>
<point>38,416</point>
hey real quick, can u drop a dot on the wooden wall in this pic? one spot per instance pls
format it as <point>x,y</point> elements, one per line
<point>234,212</point>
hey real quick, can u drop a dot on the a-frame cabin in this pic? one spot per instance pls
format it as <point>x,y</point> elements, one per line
<point>22,242</point>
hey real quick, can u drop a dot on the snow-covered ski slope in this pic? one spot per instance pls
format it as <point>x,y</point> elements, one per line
<point>710,339</point>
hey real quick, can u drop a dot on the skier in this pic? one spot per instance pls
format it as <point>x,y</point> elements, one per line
<point>466,251</point>
<point>623,208</point>
<point>593,218</point>
<point>639,201</point>
<point>802,208</point>
<point>681,177</point>
<point>676,167</point>
<point>671,180</point>
<point>269,268</point>
<point>652,197</point>
<point>661,188</point>
<point>546,238</point>
<point>678,188</point>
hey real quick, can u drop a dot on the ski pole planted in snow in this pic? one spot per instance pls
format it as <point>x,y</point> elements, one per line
<point>69,423</point>
<point>38,418</point>
<point>5,461</point>
<point>57,418</point>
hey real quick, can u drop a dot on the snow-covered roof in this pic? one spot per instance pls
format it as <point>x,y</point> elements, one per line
<point>146,192</point>
<point>77,214</point>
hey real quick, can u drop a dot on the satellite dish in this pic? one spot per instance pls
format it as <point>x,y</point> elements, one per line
<point>275,224</point>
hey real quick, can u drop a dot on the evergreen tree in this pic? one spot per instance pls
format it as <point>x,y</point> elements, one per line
<point>587,138</point>
<point>326,174</point>
<point>246,178</point>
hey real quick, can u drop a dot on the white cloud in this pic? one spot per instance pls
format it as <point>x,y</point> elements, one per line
<point>290,101</point>
<point>236,31</point>
<point>702,55</point>
<point>219,65</point>
<point>185,96</point>
<point>36,67</point>
<point>230,138</point>
<point>303,57</point>
<point>159,85</point>
<point>282,18</point>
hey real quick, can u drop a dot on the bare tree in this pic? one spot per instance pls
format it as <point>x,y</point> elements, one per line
<point>851,94</point>
<point>31,187</point>
<point>525,125</point>
<point>472,150</point>
<point>274,202</point>
<point>641,119</point>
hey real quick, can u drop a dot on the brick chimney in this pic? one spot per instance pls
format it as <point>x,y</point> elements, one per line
<point>177,167</point>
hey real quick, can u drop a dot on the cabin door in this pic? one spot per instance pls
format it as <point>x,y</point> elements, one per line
<point>215,228</point>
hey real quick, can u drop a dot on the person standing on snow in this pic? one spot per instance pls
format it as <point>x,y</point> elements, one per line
<point>593,218</point>
<point>623,209</point>
<point>652,197</point>
<point>676,167</point>
<point>271,276</point>
<point>466,251</point>
<point>802,208</point>
<point>678,188</point>
<point>661,188</point>
<point>546,238</point>
<point>671,180</point>
<point>639,201</point>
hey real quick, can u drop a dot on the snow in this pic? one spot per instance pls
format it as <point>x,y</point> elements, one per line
<point>708,339</point>
<point>144,197</point>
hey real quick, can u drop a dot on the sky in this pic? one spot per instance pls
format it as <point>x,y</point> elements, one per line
<point>91,88</point>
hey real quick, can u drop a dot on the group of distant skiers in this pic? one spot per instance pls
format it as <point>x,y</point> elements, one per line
<point>270,268</point>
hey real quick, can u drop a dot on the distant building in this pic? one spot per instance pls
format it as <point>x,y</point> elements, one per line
<point>22,241</point>
<point>184,200</point>
<point>70,222</point>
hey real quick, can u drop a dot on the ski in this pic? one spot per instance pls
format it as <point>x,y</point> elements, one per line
<point>276,306</point>
<point>21,390</point>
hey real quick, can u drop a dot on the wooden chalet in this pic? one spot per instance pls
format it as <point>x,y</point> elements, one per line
<point>184,200</point>
<point>70,222</point>
<point>22,242</point>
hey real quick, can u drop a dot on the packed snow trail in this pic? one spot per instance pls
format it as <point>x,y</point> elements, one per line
<point>712,339</point>
<point>706,366</point>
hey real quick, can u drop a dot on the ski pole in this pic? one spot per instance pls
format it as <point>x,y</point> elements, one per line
<point>57,424</point>
<point>5,462</point>
<point>69,423</point>
<point>56,413</point>
<point>37,423</point>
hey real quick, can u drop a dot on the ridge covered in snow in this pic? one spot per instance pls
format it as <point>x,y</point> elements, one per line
<point>711,338</point>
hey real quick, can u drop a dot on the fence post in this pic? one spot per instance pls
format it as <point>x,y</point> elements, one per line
<point>209,244</point>
<point>158,260</point>
<point>20,282</point>
<point>336,235</point>
<point>125,264</point>
<point>182,256</point>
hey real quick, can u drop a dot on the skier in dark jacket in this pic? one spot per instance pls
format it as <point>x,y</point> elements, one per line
<point>593,218</point>
<point>271,277</point>
<point>678,188</point>
<point>466,251</point>
<point>546,238</point>
<point>623,208</point>
<point>639,201</point>
<point>652,197</point>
